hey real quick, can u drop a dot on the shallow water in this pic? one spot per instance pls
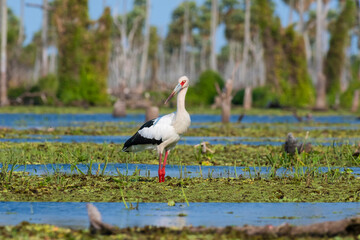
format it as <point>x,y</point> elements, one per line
<point>149,170</point>
<point>74,215</point>
<point>122,139</point>
<point>28,120</point>
<point>252,141</point>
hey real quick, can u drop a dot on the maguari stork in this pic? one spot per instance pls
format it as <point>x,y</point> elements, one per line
<point>164,132</point>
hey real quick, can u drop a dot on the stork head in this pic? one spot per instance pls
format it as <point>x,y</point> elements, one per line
<point>183,83</point>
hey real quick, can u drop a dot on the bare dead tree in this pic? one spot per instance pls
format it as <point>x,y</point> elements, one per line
<point>123,61</point>
<point>203,62</point>
<point>321,80</point>
<point>355,103</point>
<point>3,80</point>
<point>21,28</point>
<point>248,90</point>
<point>214,22</point>
<point>291,6</point>
<point>144,56</point>
<point>44,32</point>
<point>44,69</point>
<point>184,41</point>
<point>321,24</point>
<point>225,100</point>
<point>305,34</point>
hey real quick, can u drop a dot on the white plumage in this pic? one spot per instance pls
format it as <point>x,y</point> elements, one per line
<point>161,129</point>
<point>164,132</point>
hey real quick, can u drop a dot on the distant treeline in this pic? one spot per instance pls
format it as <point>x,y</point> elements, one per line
<point>303,64</point>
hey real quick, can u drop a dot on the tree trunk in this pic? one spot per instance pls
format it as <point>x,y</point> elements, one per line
<point>247,96</point>
<point>355,103</point>
<point>320,91</point>
<point>119,108</point>
<point>44,65</point>
<point>225,111</point>
<point>301,16</point>
<point>304,33</point>
<point>225,99</point>
<point>3,81</point>
<point>203,55</point>
<point>321,80</point>
<point>214,22</point>
<point>154,74</point>
<point>21,28</point>
<point>358,22</point>
<point>291,6</point>
<point>185,40</point>
<point>151,113</point>
<point>144,56</point>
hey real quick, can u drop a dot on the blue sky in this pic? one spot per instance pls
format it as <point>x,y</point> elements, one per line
<point>160,14</point>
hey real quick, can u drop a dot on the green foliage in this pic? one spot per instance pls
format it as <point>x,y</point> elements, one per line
<point>204,91</point>
<point>15,92</point>
<point>94,73</point>
<point>176,27</point>
<point>49,84</point>
<point>261,97</point>
<point>334,61</point>
<point>153,43</point>
<point>234,18</point>
<point>13,29</point>
<point>83,53</point>
<point>270,32</point>
<point>285,60</point>
<point>297,90</point>
<point>153,56</point>
<point>346,97</point>
<point>71,39</point>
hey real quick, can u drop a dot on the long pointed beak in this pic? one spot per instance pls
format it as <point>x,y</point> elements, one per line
<point>175,91</point>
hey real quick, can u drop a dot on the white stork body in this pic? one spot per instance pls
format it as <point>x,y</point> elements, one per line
<point>164,132</point>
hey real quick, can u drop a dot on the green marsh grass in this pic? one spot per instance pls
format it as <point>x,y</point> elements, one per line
<point>333,186</point>
<point>89,153</point>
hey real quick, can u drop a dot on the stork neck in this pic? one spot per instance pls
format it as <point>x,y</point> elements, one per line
<point>181,100</point>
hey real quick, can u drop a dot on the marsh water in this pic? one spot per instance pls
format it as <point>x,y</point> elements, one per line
<point>149,170</point>
<point>28,120</point>
<point>189,140</point>
<point>74,215</point>
<point>70,214</point>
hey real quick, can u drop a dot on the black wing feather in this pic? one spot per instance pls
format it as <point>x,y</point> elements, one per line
<point>137,139</point>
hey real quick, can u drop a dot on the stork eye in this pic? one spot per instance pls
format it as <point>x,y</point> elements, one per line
<point>183,82</point>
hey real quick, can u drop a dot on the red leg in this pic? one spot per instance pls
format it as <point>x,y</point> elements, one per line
<point>159,171</point>
<point>164,165</point>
